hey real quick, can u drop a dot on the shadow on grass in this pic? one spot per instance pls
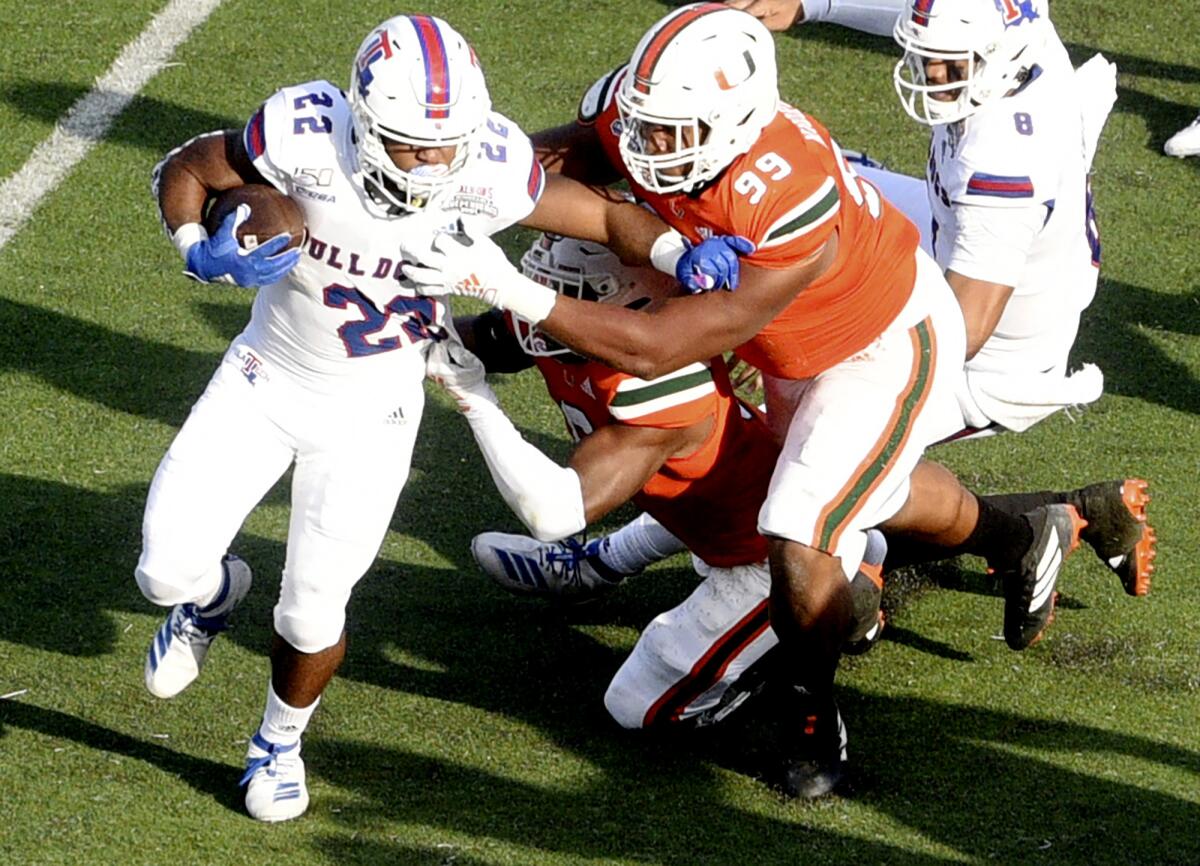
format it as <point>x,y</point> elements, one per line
<point>207,777</point>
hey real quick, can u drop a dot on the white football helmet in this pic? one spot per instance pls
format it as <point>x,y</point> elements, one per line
<point>998,40</point>
<point>416,81</point>
<point>589,272</point>
<point>707,71</point>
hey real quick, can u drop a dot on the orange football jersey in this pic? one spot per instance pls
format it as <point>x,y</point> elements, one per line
<point>789,194</point>
<point>710,498</point>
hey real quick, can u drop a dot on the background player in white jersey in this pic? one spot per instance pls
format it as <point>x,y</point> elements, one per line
<point>328,373</point>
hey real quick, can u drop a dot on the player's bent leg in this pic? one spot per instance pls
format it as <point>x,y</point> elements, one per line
<point>220,464</point>
<point>181,644</point>
<point>689,659</point>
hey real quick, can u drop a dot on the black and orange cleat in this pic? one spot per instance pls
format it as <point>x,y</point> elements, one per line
<point>1118,529</point>
<point>1029,595</point>
<point>815,762</point>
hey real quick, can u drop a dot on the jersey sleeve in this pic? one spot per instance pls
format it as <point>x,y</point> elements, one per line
<point>786,194</point>
<point>992,244</point>
<point>291,123</point>
<point>679,399</point>
<point>506,164</point>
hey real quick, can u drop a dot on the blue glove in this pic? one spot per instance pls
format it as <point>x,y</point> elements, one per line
<point>222,259</point>
<point>712,263</point>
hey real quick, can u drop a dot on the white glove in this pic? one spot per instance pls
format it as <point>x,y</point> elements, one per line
<point>476,268</point>
<point>461,373</point>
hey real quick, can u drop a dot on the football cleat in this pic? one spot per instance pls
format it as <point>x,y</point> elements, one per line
<point>816,763</point>
<point>1117,530</point>
<point>1186,142</point>
<point>182,642</point>
<point>1029,594</point>
<point>274,781</point>
<point>867,589</point>
<point>567,570</point>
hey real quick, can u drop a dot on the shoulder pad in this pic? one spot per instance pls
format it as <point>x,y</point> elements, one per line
<point>599,96</point>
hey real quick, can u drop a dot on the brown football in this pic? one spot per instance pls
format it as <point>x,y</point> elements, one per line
<point>271,213</point>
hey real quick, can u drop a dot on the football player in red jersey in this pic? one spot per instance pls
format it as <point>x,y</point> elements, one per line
<point>681,446</point>
<point>856,331</point>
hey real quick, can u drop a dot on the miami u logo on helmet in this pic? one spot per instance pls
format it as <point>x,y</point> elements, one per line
<point>1013,12</point>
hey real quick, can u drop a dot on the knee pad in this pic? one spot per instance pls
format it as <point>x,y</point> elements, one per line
<point>168,586</point>
<point>310,628</point>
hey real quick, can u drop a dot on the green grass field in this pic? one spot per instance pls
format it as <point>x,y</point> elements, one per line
<point>467,727</point>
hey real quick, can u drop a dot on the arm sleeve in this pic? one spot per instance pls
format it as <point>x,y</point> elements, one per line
<point>992,243</point>
<point>546,497</point>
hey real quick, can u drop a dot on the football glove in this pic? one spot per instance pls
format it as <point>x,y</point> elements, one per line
<point>712,263</point>
<point>474,267</point>
<point>221,259</point>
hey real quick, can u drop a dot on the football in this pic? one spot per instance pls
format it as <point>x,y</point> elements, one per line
<point>271,213</point>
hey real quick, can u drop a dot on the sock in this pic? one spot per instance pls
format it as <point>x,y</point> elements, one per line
<point>281,723</point>
<point>210,603</point>
<point>869,16</point>
<point>1000,536</point>
<point>641,542</point>
<point>1020,503</point>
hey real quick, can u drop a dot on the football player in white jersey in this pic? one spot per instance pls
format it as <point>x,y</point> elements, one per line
<point>327,375</point>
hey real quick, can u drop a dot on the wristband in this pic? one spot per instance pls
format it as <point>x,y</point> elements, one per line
<point>187,236</point>
<point>668,248</point>
<point>527,299</point>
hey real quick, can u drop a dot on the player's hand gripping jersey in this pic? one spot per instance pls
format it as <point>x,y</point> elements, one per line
<point>343,312</point>
<point>790,194</point>
<point>710,498</point>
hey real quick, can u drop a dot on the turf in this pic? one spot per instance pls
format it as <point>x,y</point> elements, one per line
<point>467,726</point>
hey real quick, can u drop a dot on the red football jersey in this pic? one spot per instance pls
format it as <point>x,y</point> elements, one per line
<point>789,194</point>
<point>710,498</point>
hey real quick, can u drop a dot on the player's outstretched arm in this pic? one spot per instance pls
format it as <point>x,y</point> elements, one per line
<point>682,331</point>
<point>553,501</point>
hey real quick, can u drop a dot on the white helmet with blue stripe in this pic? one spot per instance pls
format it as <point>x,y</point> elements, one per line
<point>990,47</point>
<point>415,81</point>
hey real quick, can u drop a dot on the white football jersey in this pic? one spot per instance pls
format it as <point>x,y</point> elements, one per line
<point>341,320</point>
<point>1010,204</point>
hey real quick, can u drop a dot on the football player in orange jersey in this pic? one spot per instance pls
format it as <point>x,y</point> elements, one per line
<point>856,331</point>
<point>682,446</point>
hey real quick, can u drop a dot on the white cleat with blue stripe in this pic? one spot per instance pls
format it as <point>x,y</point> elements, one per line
<point>274,781</point>
<point>567,570</point>
<point>181,643</point>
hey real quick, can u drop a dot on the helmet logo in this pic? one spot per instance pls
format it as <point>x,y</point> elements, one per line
<point>379,49</point>
<point>437,70</point>
<point>1013,12</point>
<point>723,80</point>
<point>920,12</point>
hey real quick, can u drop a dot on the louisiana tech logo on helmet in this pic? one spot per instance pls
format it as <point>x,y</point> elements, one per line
<point>1014,12</point>
<point>378,49</point>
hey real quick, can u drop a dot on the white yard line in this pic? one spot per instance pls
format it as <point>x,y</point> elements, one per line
<point>87,121</point>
